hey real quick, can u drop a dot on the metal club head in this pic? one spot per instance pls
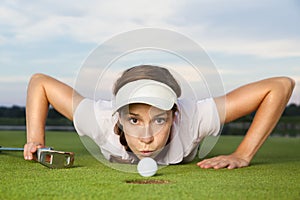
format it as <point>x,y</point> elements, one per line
<point>55,159</point>
<point>49,157</point>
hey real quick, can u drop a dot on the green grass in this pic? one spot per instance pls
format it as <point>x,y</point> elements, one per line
<point>274,174</point>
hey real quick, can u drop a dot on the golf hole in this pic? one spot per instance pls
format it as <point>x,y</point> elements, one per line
<point>148,182</point>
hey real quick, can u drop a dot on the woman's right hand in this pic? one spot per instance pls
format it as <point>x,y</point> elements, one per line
<point>42,91</point>
<point>30,149</point>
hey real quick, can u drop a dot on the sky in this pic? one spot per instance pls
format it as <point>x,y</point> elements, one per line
<point>246,40</point>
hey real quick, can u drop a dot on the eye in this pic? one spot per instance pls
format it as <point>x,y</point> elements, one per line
<point>133,120</point>
<point>160,120</point>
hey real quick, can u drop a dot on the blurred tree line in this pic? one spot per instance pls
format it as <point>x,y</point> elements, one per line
<point>288,125</point>
<point>19,112</point>
<point>15,115</point>
<point>292,110</point>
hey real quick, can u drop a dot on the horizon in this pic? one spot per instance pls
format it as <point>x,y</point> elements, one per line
<point>246,41</point>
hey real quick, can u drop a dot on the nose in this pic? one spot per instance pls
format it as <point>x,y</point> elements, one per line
<point>147,140</point>
<point>147,137</point>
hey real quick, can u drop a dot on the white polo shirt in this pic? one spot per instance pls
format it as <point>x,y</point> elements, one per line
<point>195,121</point>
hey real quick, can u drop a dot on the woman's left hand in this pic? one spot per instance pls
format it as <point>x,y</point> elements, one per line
<point>231,161</point>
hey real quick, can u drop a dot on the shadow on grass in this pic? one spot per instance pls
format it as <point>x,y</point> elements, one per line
<point>148,181</point>
<point>11,154</point>
<point>272,162</point>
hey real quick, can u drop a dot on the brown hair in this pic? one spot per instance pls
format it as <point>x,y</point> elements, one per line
<point>144,72</point>
<point>147,72</point>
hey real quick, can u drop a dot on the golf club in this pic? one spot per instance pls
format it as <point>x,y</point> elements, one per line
<point>48,157</point>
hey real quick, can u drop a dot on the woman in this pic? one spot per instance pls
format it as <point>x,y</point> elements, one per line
<point>147,119</point>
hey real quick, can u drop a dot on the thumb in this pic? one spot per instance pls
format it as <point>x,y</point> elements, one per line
<point>34,148</point>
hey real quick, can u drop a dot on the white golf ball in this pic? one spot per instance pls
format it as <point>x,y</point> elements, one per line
<point>147,167</point>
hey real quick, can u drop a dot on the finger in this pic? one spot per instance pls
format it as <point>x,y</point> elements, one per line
<point>201,163</point>
<point>27,154</point>
<point>205,165</point>
<point>206,161</point>
<point>33,151</point>
<point>34,148</point>
<point>220,164</point>
<point>216,163</point>
<point>239,164</point>
<point>232,166</point>
<point>30,149</point>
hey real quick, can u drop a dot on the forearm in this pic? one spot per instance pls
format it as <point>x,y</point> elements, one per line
<point>267,115</point>
<point>268,98</point>
<point>42,92</point>
<point>265,119</point>
<point>36,111</point>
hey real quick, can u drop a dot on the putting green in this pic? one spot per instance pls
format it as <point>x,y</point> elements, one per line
<point>274,174</point>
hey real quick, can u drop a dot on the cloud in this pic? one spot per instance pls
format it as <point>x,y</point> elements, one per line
<point>260,48</point>
<point>260,28</point>
<point>86,22</point>
<point>13,79</point>
<point>229,27</point>
<point>54,36</point>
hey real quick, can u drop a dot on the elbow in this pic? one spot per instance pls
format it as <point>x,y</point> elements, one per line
<point>37,79</point>
<point>287,85</point>
<point>37,76</point>
<point>293,82</point>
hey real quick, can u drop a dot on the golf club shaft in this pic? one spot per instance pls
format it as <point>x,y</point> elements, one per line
<point>11,149</point>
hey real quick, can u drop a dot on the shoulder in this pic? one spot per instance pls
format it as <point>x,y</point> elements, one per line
<point>90,114</point>
<point>90,104</point>
<point>199,116</point>
<point>198,106</point>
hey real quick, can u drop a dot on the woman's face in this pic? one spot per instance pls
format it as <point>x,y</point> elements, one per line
<point>146,129</point>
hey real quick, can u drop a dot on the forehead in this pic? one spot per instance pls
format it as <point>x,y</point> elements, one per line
<point>140,108</point>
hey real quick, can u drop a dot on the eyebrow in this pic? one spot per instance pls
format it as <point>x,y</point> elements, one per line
<point>163,113</point>
<point>133,114</point>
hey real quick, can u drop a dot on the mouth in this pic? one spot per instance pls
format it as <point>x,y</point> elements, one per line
<point>146,153</point>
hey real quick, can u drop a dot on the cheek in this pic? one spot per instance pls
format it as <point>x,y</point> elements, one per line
<point>131,141</point>
<point>163,137</point>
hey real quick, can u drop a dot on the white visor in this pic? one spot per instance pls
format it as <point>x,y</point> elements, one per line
<point>146,91</point>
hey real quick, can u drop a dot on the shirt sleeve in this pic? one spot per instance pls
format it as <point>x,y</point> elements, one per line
<point>84,118</point>
<point>94,119</point>
<point>199,119</point>
<point>209,120</point>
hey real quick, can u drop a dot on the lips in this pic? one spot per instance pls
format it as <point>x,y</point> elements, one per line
<point>146,153</point>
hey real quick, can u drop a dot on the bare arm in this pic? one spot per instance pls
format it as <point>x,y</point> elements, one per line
<point>42,91</point>
<point>268,98</point>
